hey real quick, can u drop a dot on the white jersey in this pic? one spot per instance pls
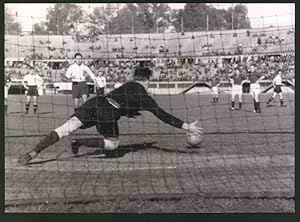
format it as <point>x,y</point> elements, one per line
<point>101,81</point>
<point>33,80</point>
<point>277,80</point>
<point>78,73</point>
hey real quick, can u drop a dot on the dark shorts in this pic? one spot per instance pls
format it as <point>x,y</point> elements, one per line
<point>32,91</point>
<point>277,89</point>
<point>79,89</point>
<point>100,91</point>
<point>98,112</point>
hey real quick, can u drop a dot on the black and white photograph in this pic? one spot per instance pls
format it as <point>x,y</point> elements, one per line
<point>149,107</point>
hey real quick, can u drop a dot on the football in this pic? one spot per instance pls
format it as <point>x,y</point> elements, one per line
<point>194,139</point>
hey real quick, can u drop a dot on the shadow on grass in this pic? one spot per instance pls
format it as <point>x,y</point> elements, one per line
<point>120,152</point>
<point>124,149</point>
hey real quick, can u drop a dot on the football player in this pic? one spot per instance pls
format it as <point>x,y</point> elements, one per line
<point>277,82</point>
<point>104,113</point>
<point>31,82</point>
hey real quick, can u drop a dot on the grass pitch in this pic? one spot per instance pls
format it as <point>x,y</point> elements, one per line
<point>245,158</point>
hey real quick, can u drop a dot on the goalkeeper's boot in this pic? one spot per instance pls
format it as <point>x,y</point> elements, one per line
<point>25,158</point>
<point>75,146</point>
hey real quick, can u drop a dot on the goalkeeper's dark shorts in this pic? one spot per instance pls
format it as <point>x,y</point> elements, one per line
<point>278,89</point>
<point>100,113</point>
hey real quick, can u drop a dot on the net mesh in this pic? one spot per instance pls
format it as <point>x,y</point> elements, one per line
<point>243,155</point>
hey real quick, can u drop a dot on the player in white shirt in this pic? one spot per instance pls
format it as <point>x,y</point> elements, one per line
<point>277,82</point>
<point>31,82</point>
<point>215,83</point>
<point>101,84</point>
<point>77,73</point>
<point>7,82</point>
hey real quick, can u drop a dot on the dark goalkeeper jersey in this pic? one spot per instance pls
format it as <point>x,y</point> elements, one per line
<point>133,97</point>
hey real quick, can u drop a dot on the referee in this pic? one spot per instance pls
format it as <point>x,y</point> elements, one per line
<point>77,73</point>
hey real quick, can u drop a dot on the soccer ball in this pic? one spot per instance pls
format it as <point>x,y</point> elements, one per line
<point>194,139</point>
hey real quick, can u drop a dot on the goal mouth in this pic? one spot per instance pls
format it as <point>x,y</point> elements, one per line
<point>204,72</point>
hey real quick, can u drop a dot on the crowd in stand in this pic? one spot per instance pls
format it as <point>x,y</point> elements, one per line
<point>173,69</point>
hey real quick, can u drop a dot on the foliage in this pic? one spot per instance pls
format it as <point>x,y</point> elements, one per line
<point>40,28</point>
<point>195,17</point>
<point>12,26</point>
<point>141,18</point>
<point>64,18</point>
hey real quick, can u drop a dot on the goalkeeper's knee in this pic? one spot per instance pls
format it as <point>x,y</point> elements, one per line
<point>111,144</point>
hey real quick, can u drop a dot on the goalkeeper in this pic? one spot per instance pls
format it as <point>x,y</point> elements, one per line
<point>104,113</point>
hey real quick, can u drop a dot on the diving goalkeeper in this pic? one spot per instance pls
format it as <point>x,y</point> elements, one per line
<point>104,113</point>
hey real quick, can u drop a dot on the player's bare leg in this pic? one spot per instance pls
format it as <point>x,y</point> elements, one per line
<point>64,130</point>
<point>84,98</point>
<point>27,104</point>
<point>272,98</point>
<point>232,101</point>
<point>256,103</point>
<point>5,105</point>
<point>76,103</point>
<point>240,101</point>
<point>281,99</point>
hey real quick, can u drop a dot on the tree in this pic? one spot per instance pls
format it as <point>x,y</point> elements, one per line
<point>96,22</point>
<point>196,16</point>
<point>64,18</point>
<point>125,21</point>
<point>240,17</point>
<point>12,27</point>
<point>176,16</point>
<point>40,28</point>
<point>141,18</point>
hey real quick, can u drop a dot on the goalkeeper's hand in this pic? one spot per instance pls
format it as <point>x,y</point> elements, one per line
<point>192,127</point>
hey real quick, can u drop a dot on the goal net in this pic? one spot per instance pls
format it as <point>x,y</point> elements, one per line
<point>243,154</point>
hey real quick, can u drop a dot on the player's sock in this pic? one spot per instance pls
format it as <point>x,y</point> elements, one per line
<point>217,99</point>
<point>214,100</point>
<point>270,100</point>
<point>255,106</point>
<point>232,104</point>
<point>27,107</point>
<point>34,108</point>
<point>258,107</point>
<point>240,105</point>
<point>281,102</point>
<point>50,139</point>
<point>91,142</point>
